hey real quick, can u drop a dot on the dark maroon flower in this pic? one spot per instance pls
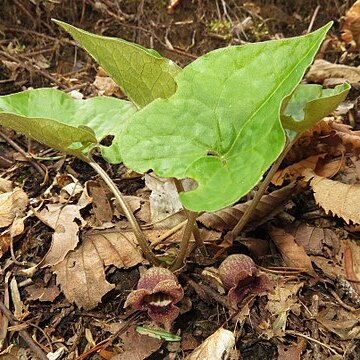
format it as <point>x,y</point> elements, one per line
<point>240,276</point>
<point>157,292</point>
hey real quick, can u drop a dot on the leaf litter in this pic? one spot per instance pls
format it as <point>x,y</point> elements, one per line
<point>87,262</point>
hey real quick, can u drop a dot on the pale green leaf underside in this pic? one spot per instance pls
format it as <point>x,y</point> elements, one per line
<point>141,73</point>
<point>222,125</point>
<point>54,118</point>
<point>309,104</point>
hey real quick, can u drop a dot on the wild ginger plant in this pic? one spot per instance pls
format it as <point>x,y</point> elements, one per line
<point>223,120</point>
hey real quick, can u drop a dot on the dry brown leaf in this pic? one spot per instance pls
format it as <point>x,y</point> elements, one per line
<point>316,241</point>
<point>12,204</point>
<point>100,202</point>
<point>217,346</point>
<point>291,352</point>
<point>16,228</point>
<point>351,26</point>
<point>227,218</point>
<point>351,263</point>
<point>256,246</point>
<point>107,86</point>
<point>165,205</point>
<point>65,237</point>
<point>322,70</point>
<point>340,199</point>
<point>42,293</point>
<point>81,274</point>
<point>6,185</point>
<point>294,171</point>
<point>281,301</point>
<point>137,346</point>
<point>294,255</point>
<point>344,324</point>
<point>5,241</point>
<point>318,163</point>
<point>349,138</point>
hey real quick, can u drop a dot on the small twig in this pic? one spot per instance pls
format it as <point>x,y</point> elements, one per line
<point>179,51</point>
<point>109,340</point>
<point>140,237</point>
<point>4,321</point>
<point>313,19</point>
<point>26,63</point>
<point>37,351</point>
<point>345,306</point>
<point>34,164</point>
<point>197,236</point>
<point>295,333</point>
<point>249,211</point>
<point>184,245</point>
<point>168,234</point>
<point>280,270</point>
<point>206,292</point>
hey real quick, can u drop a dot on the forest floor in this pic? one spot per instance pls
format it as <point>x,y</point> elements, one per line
<point>305,245</point>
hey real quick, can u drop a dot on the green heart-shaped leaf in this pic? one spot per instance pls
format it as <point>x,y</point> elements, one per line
<point>143,74</point>
<point>222,125</point>
<point>54,118</point>
<point>309,104</point>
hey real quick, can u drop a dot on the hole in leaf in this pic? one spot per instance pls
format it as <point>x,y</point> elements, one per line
<point>107,140</point>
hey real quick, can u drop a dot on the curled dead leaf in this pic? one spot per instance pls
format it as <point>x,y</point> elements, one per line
<point>351,26</point>
<point>12,204</point>
<point>217,346</point>
<point>322,70</point>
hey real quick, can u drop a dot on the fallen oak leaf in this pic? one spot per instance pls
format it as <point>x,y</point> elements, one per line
<point>81,274</point>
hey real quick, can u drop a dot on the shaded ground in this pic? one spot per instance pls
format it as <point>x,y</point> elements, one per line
<point>312,315</point>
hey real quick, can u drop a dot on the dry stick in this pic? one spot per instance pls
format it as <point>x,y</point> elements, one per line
<point>109,340</point>
<point>37,351</point>
<point>26,157</point>
<point>184,245</point>
<point>313,19</point>
<point>249,211</point>
<point>140,237</point>
<point>168,234</point>
<point>197,236</point>
<point>295,333</point>
<point>29,67</point>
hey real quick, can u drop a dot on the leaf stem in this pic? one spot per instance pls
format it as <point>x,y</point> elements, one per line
<point>249,211</point>
<point>140,237</point>
<point>197,236</point>
<point>184,245</point>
